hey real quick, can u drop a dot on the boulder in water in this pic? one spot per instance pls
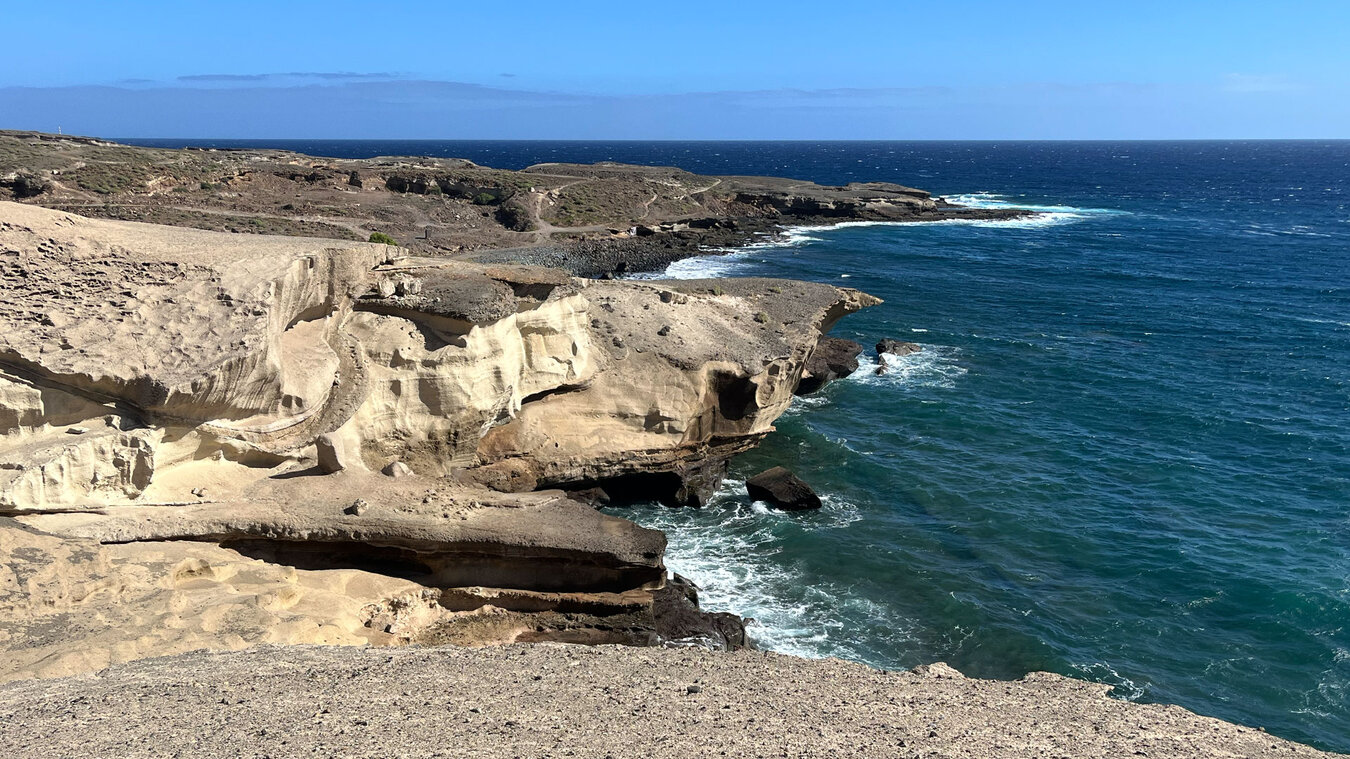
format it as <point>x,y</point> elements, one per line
<point>782,489</point>
<point>897,347</point>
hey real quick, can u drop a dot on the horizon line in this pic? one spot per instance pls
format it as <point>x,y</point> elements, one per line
<point>726,139</point>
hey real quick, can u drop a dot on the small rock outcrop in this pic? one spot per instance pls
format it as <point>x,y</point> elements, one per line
<point>832,359</point>
<point>897,347</point>
<point>330,453</point>
<point>782,489</point>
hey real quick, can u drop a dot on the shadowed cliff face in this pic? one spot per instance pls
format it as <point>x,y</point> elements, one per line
<point>290,407</point>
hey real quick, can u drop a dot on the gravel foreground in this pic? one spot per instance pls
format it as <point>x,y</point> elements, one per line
<point>557,700</point>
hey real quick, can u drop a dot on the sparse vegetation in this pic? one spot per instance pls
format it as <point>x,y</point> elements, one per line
<point>383,238</point>
<point>762,317</point>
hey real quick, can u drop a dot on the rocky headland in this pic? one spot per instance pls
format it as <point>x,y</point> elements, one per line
<point>228,419</point>
<point>590,219</point>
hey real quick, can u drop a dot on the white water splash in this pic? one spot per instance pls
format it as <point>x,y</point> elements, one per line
<point>735,558</point>
<point>936,366</point>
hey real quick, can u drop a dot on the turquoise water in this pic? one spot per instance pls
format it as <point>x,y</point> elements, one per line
<point>1124,453</point>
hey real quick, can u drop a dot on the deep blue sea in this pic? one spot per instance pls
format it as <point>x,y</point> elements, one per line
<point>1123,454</point>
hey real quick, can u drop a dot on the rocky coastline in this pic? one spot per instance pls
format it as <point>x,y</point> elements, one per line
<point>233,414</point>
<point>592,220</point>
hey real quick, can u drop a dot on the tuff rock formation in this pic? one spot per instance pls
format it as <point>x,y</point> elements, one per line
<point>215,440</point>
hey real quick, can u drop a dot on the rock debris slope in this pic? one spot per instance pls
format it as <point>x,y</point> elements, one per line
<point>217,440</point>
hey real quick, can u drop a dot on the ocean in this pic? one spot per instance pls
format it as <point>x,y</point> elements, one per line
<point>1123,453</point>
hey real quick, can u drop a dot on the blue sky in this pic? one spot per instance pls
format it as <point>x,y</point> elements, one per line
<point>690,70</point>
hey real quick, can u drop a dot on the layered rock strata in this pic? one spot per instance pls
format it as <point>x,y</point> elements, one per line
<point>214,439</point>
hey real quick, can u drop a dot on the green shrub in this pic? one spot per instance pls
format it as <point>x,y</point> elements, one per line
<point>484,199</point>
<point>381,237</point>
<point>762,317</point>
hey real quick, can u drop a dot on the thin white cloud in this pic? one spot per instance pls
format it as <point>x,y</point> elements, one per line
<point>1248,83</point>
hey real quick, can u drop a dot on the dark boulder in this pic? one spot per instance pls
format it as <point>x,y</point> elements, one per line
<point>782,489</point>
<point>833,358</point>
<point>679,622</point>
<point>897,347</point>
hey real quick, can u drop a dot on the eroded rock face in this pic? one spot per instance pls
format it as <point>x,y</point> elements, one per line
<point>693,373</point>
<point>832,359</point>
<point>209,393</point>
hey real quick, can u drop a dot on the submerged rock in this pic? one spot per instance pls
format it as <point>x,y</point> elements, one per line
<point>782,489</point>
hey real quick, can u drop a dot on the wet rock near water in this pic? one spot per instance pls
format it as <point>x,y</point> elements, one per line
<point>897,347</point>
<point>832,359</point>
<point>782,489</point>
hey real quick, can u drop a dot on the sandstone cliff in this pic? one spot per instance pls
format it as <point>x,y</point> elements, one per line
<point>337,442</point>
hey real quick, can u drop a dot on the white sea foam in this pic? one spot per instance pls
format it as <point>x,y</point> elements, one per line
<point>1311,320</point>
<point>723,262</point>
<point>935,366</point>
<point>735,561</point>
<point>1047,215</point>
<point>713,265</point>
<point>1123,687</point>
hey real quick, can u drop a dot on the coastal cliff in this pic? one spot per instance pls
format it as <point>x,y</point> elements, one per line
<point>212,423</point>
